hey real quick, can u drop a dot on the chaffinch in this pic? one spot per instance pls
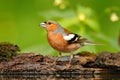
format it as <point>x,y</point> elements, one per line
<point>63,40</point>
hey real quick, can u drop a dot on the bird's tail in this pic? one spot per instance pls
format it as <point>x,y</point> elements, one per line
<point>84,41</point>
<point>91,43</point>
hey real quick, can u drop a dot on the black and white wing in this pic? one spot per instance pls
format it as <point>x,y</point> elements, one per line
<point>75,38</point>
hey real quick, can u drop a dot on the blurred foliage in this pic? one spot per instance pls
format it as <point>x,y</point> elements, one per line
<point>97,20</point>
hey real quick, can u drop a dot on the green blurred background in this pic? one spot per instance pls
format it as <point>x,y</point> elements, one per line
<point>97,20</point>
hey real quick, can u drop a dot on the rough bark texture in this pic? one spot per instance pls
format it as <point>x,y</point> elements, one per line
<point>84,64</point>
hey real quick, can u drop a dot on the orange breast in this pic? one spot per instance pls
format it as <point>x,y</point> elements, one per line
<point>61,45</point>
<point>56,41</point>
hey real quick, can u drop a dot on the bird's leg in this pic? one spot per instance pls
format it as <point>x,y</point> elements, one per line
<point>70,60</point>
<point>59,55</point>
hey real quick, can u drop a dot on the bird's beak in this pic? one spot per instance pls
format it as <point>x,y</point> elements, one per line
<point>42,24</point>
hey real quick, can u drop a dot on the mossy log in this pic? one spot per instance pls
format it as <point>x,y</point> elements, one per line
<point>84,64</point>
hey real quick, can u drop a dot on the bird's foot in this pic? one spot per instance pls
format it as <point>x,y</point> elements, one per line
<point>68,66</point>
<point>54,63</point>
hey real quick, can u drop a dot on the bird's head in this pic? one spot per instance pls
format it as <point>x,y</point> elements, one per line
<point>50,25</point>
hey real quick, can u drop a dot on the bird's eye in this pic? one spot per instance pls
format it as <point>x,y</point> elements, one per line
<point>49,23</point>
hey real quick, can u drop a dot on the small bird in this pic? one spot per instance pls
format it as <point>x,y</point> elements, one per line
<point>62,39</point>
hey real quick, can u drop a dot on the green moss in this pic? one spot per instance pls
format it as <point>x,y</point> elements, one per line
<point>7,51</point>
